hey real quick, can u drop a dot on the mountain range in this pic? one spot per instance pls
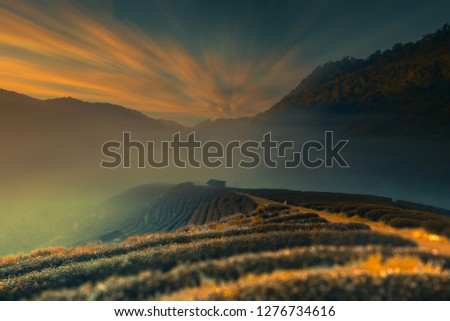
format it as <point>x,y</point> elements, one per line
<point>409,78</point>
<point>403,90</point>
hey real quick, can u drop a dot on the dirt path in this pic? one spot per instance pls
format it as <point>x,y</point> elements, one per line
<point>426,241</point>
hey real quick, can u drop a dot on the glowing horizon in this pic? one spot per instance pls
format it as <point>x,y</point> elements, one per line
<point>233,67</point>
<point>99,58</point>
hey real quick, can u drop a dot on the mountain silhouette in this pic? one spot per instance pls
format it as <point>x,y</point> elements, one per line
<point>401,91</point>
<point>411,77</point>
<point>57,138</point>
<point>70,111</point>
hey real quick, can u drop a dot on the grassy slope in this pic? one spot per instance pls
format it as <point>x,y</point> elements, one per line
<point>275,252</point>
<point>164,208</point>
<point>398,214</point>
<point>425,240</point>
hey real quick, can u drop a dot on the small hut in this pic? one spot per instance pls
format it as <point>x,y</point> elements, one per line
<point>216,183</point>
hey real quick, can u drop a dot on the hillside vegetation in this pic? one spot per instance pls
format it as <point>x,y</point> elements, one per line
<point>416,74</point>
<point>164,208</point>
<point>410,81</point>
<point>272,253</point>
<point>399,214</point>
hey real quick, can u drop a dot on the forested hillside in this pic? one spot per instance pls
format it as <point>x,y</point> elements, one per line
<point>411,77</point>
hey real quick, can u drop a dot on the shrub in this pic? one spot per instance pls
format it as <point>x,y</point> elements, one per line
<point>166,257</point>
<point>151,285</point>
<point>400,222</point>
<point>295,285</point>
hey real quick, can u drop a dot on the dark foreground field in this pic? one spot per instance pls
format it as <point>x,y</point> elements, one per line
<point>274,253</point>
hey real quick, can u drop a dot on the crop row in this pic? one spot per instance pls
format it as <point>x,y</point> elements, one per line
<point>83,254</point>
<point>308,217</point>
<point>396,217</point>
<point>297,285</point>
<point>167,257</point>
<point>150,284</point>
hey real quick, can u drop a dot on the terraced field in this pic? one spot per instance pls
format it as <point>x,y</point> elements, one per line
<point>272,253</point>
<point>398,214</point>
<point>165,208</point>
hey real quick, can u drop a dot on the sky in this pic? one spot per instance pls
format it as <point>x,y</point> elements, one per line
<point>191,60</point>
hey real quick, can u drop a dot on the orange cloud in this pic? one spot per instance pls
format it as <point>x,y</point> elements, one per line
<point>62,49</point>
